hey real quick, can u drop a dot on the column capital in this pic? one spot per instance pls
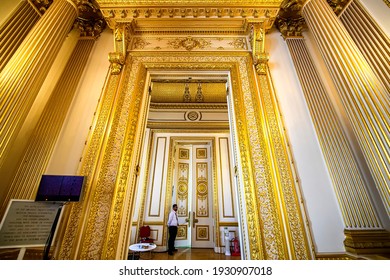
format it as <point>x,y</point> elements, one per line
<point>90,21</point>
<point>338,6</point>
<point>40,6</point>
<point>290,21</point>
<point>290,27</point>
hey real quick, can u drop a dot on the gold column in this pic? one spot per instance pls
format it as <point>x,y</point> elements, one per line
<point>365,99</point>
<point>15,29</point>
<point>354,200</point>
<point>25,72</point>
<point>369,38</point>
<point>41,144</point>
<point>277,194</point>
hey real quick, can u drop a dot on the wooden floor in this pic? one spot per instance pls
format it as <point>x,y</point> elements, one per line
<point>188,254</point>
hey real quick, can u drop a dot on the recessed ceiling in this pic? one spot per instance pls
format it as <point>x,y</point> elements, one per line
<point>173,91</point>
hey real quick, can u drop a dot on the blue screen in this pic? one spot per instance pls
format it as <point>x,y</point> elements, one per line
<point>60,188</point>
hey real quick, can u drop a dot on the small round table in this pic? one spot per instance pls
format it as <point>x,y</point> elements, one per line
<point>142,247</point>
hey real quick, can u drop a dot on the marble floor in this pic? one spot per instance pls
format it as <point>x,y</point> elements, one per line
<point>188,254</point>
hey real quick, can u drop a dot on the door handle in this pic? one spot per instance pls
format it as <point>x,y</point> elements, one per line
<point>188,220</point>
<point>194,221</point>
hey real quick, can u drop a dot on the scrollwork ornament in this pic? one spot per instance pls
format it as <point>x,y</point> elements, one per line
<point>117,61</point>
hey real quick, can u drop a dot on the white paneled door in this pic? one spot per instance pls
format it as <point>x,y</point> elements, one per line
<point>193,193</point>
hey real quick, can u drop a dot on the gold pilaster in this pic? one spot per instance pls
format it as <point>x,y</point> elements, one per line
<point>22,77</point>
<point>370,39</point>
<point>364,97</point>
<point>354,200</point>
<point>15,29</point>
<point>25,179</point>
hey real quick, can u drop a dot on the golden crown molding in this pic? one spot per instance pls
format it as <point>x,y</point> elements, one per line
<point>209,17</point>
<point>176,3</point>
<point>387,2</point>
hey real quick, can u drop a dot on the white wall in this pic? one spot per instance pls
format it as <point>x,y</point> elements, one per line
<point>318,193</point>
<point>6,8</point>
<point>380,12</point>
<point>70,146</point>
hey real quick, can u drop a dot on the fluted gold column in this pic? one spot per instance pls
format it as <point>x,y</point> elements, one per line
<point>40,146</point>
<point>370,39</point>
<point>25,72</point>
<point>364,97</point>
<point>15,29</point>
<point>354,200</point>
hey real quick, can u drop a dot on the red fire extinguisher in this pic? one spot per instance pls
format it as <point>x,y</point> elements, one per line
<point>235,247</point>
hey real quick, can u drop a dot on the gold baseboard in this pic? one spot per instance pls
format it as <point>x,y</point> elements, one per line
<point>368,242</point>
<point>335,256</point>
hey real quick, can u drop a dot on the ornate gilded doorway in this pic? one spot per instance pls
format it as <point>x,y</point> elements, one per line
<point>193,194</point>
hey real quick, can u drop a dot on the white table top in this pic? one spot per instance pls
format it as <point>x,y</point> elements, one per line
<point>142,247</point>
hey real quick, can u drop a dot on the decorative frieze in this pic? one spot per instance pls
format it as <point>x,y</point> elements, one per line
<point>188,43</point>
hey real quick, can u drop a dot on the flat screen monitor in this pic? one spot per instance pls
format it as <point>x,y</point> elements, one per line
<point>60,188</point>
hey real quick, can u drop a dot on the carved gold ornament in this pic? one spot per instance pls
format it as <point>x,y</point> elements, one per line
<point>189,43</point>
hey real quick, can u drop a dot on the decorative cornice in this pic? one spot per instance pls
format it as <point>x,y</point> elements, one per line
<point>176,3</point>
<point>211,17</point>
<point>387,2</point>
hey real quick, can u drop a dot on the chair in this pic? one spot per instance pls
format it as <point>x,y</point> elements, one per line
<point>144,233</point>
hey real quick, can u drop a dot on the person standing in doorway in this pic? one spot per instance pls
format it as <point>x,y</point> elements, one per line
<point>173,223</point>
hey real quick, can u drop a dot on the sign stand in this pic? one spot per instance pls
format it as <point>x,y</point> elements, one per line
<point>51,235</point>
<point>21,253</point>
